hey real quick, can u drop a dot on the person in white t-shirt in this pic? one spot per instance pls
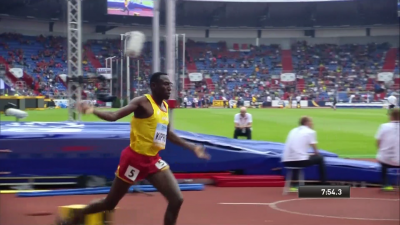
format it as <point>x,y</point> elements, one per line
<point>185,102</point>
<point>298,142</point>
<point>298,99</point>
<point>392,100</point>
<point>195,102</point>
<point>225,102</point>
<point>243,122</point>
<point>388,141</point>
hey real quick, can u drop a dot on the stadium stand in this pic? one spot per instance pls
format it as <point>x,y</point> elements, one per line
<point>345,68</point>
<point>42,59</point>
<point>241,70</point>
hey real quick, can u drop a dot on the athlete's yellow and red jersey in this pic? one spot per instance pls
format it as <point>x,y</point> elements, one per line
<point>149,135</point>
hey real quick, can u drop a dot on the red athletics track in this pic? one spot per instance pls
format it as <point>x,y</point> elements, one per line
<point>366,207</point>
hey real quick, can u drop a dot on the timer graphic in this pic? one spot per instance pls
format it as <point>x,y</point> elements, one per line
<point>324,191</point>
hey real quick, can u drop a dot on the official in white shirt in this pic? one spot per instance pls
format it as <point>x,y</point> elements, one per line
<point>243,122</point>
<point>388,141</point>
<point>298,142</point>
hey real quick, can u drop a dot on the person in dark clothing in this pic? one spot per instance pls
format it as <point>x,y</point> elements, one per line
<point>334,103</point>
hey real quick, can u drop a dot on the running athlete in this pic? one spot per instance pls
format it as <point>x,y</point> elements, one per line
<point>126,6</point>
<point>140,160</point>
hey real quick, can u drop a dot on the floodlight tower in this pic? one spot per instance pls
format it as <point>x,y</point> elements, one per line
<point>75,73</point>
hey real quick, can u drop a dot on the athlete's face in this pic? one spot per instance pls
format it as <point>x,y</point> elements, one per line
<point>163,87</point>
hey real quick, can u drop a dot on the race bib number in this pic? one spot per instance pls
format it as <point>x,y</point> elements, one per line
<point>131,173</point>
<point>161,164</point>
<point>160,136</point>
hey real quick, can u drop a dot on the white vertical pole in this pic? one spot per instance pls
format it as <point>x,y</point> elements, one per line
<point>170,53</point>
<point>156,36</point>
<point>111,83</point>
<point>106,60</point>
<point>138,74</point>
<point>128,80</point>
<point>176,81</point>
<point>183,60</point>
<point>122,67</point>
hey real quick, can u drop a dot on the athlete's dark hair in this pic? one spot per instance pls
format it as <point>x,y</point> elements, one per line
<point>395,114</point>
<point>156,77</point>
<point>304,120</point>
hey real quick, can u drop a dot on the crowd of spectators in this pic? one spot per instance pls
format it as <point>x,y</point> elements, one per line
<point>42,60</point>
<point>253,71</point>
<point>344,68</point>
<point>323,70</point>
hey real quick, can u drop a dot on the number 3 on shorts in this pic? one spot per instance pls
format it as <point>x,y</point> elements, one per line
<point>161,164</point>
<point>131,173</point>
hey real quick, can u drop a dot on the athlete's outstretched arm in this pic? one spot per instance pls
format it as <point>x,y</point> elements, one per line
<point>109,115</point>
<point>172,137</point>
<point>197,149</point>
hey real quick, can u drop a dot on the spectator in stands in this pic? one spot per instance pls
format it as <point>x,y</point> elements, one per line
<point>297,144</point>
<point>243,123</point>
<point>388,141</point>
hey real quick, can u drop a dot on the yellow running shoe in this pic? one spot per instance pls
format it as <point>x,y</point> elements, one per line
<point>388,188</point>
<point>293,189</point>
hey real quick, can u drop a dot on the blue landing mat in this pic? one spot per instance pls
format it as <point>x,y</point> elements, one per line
<point>73,149</point>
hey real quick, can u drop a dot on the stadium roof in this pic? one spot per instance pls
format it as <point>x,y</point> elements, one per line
<point>224,14</point>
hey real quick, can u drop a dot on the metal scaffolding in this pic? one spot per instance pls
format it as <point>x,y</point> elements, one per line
<point>75,74</point>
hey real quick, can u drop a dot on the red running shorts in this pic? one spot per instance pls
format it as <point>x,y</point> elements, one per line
<point>135,167</point>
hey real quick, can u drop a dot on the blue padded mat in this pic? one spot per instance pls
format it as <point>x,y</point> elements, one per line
<point>62,144</point>
<point>118,130</point>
